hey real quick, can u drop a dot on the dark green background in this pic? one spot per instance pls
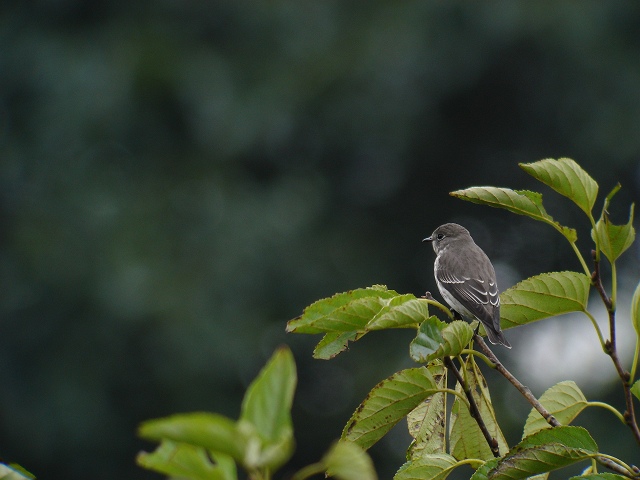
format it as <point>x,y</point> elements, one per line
<point>180,178</point>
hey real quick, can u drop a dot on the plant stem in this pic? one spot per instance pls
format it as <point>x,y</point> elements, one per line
<point>612,351</point>
<point>598,331</point>
<point>308,471</point>
<point>484,358</point>
<point>474,462</point>
<point>463,398</point>
<point>473,408</point>
<point>572,243</point>
<point>608,407</point>
<point>579,255</point>
<point>551,420</point>
<point>432,301</point>
<point>614,286</point>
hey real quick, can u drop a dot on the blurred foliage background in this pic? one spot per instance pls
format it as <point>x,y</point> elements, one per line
<point>178,179</point>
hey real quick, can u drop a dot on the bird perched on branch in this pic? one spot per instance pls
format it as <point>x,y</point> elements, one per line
<point>466,278</point>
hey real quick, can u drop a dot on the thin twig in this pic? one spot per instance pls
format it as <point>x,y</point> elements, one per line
<point>612,350</point>
<point>633,471</point>
<point>432,301</point>
<point>473,408</point>
<point>551,420</point>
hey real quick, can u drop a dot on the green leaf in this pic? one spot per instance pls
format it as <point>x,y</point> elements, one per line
<point>564,401</point>
<point>267,408</point>
<point>543,296</point>
<point>567,178</point>
<point>544,451</point>
<point>334,343</point>
<point>14,472</point>
<point>521,202</point>
<point>427,467</point>
<point>267,402</point>
<point>635,310</point>
<point>614,240</point>
<point>465,437</point>
<point>400,312</point>
<point>208,430</point>
<point>437,339</point>
<point>343,312</point>
<point>427,422</point>
<point>347,317</point>
<point>263,437</point>
<point>570,437</point>
<point>361,310</point>
<point>387,403</point>
<point>482,473</point>
<point>347,461</point>
<point>187,461</point>
<point>635,389</point>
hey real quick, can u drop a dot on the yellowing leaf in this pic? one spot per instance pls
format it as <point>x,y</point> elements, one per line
<point>564,401</point>
<point>465,437</point>
<point>427,467</point>
<point>428,421</point>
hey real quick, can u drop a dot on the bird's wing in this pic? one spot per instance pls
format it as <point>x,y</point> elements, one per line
<point>479,296</point>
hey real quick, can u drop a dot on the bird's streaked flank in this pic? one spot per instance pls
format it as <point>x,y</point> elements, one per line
<point>466,278</point>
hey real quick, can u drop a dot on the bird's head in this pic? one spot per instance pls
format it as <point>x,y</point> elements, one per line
<point>447,234</point>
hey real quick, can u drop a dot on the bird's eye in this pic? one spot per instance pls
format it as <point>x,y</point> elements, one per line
<point>440,236</point>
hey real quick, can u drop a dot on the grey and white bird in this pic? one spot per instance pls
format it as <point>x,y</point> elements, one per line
<point>466,278</point>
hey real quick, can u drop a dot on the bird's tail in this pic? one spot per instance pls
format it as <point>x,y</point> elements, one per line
<point>496,337</point>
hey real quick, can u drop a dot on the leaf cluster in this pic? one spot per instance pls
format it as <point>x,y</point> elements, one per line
<point>469,433</point>
<point>208,446</point>
<point>446,434</point>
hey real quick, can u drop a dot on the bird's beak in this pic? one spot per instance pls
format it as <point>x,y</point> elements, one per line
<point>428,239</point>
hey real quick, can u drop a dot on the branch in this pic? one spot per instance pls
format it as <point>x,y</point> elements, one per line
<point>551,420</point>
<point>432,301</point>
<point>612,350</point>
<point>473,408</point>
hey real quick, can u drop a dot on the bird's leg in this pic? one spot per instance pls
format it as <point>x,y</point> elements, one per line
<point>428,296</point>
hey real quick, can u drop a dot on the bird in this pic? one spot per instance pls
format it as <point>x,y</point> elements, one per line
<point>466,278</point>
